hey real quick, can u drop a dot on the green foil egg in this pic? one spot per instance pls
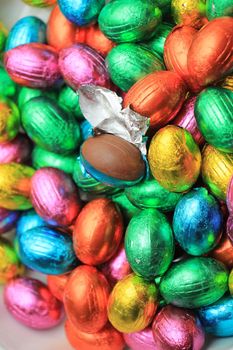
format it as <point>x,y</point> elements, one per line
<point>42,158</point>
<point>165,6</point>
<point>128,210</point>
<point>156,44</point>
<point>194,282</point>
<point>127,63</point>
<point>214,115</point>
<point>150,194</point>
<point>68,99</point>
<point>218,8</point>
<point>149,244</point>
<point>3,36</point>
<point>7,86</point>
<point>49,126</point>
<point>9,120</point>
<point>27,94</point>
<point>129,21</point>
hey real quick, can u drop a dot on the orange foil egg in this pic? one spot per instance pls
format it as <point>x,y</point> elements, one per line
<point>57,284</point>
<point>224,252</point>
<point>85,299</point>
<point>210,57</point>
<point>98,231</point>
<point>60,31</point>
<point>159,96</point>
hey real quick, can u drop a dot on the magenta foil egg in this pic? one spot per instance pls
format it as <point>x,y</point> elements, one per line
<point>230,228</point>
<point>80,65</point>
<point>18,150</point>
<point>31,303</point>
<point>230,196</point>
<point>143,340</point>
<point>34,65</point>
<point>186,119</point>
<point>54,196</point>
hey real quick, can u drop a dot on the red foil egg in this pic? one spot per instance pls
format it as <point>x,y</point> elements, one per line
<point>57,284</point>
<point>60,31</point>
<point>18,150</point>
<point>34,65</point>
<point>159,96</point>
<point>224,252</point>
<point>98,231</point>
<point>85,299</point>
<point>54,196</point>
<point>210,57</point>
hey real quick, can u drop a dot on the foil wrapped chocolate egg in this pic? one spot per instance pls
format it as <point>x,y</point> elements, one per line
<point>68,99</point>
<point>107,338</point>
<point>194,282</point>
<point>54,196</point>
<point>224,252</point>
<point>3,36</point>
<point>15,182</point>
<point>128,62</point>
<point>31,303</point>
<point>85,299</point>
<point>156,44</point>
<point>98,231</point>
<point>132,304</point>
<point>179,329</point>
<point>40,69</point>
<point>47,250</point>
<point>80,65</point>
<point>217,169</point>
<point>158,96</point>
<point>150,194</point>
<point>210,55</point>
<point>140,340</point>
<point>230,228</point>
<point>217,319</point>
<point>218,8</point>
<point>127,21</point>
<point>197,222</point>
<point>86,130</point>
<point>40,3</point>
<point>29,29</point>
<point>128,210</point>
<point>230,282</point>
<point>155,252</point>
<point>10,265</point>
<point>230,196</point>
<point>112,160</point>
<point>227,83</point>
<point>9,120</point>
<point>57,284</point>
<point>174,158</point>
<point>60,31</point>
<point>7,85</point>
<point>29,219</point>
<point>26,94</point>
<point>188,12</point>
<point>17,150</point>
<point>8,219</point>
<point>49,126</point>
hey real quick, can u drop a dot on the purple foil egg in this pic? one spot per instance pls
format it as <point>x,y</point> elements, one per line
<point>117,267</point>
<point>54,196</point>
<point>31,303</point>
<point>34,65</point>
<point>186,119</point>
<point>230,196</point>
<point>230,228</point>
<point>140,340</point>
<point>17,150</point>
<point>80,65</point>
<point>175,328</point>
<point>8,219</point>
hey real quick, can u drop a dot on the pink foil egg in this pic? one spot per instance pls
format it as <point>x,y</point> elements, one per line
<point>80,65</point>
<point>31,303</point>
<point>54,196</point>
<point>143,340</point>
<point>230,228</point>
<point>230,196</point>
<point>17,150</point>
<point>34,65</point>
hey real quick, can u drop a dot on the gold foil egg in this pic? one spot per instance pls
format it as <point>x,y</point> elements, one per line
<point>230,282</point>
<point>10,266</point>
<point>174,158</point>
<point>132,304</point>
<point>189,12</point>
<point>9,120</point>
<point>227,83</point>
<point>217,169</point>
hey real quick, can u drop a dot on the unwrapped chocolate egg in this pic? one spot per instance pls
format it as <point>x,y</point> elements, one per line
<point>179,329</point>
<point>156,44</point>
<point>17,150</point>
<point>140,340</point>
<point>40,68</point>
<point>112,160</point>
<point>68,99</point>
<point>127,21</point>
<point>9,120</point>
<point>194,282</point>
<point>158,96</point>
<point>80,65</point>
<point>85,299</point>
<point>153,255</point>
<point>40,3</point>
<point>8,219</point>
<point>7,85</point>
<point>57,284</point>
<point>224,252</point>
<point>188,12</point>
<point>230,196</point>
<point>107,338</point>
<point>49,126</point>
<point>217,170</point>
<point>132,304</point>
<point>217,319</point>
<point>174,158</point>
<point>31,303</point>
<point>15,182</point>
<point>47,250</point>
<point>98,231</point>
<point>218,8</point>
<point>10,265</point>
<point>28,220</point>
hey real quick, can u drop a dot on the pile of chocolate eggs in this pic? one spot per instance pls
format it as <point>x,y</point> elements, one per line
<point>135,237</point>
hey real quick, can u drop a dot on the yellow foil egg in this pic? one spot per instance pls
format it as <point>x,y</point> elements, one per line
<point>227,83</point>
<point>10,266</point>
<point>189,12</point>
<point>217,169</point>
<point>132,304</point>
<point>174,158</point>
<point>230,282</point>
<point>15,182</point>
<point>9,120</point>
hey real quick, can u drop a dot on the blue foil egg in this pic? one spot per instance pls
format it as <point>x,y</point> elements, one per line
<point>8,219</point>
<point>217,319</point>
<point>28,220</point>
<point>197,222</point>
<point>26,30</point>
<point>47,250</point>
<point>86,130</point>
<point>81,12</point>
